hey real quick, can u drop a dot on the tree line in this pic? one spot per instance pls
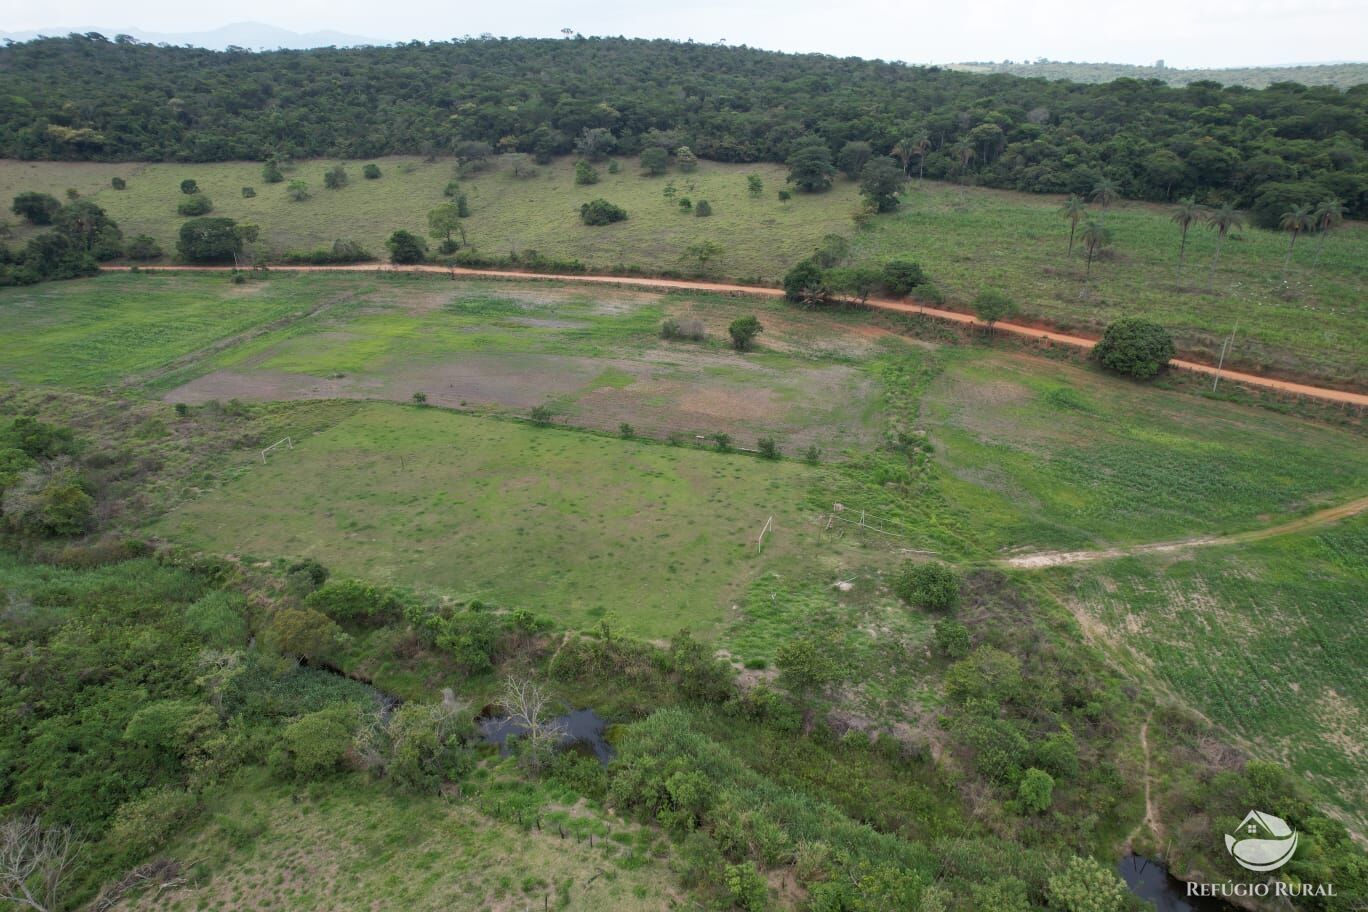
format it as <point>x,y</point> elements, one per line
<point>86,97</point>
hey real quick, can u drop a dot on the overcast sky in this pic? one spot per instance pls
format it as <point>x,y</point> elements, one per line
<point>1186,33</point>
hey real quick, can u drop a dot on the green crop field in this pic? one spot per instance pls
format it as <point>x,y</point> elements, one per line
<point>569,524</point>
<point>966,238</point>
<point>1267,639</point>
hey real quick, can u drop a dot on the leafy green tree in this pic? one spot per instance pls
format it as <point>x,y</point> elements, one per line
<point>209,240</point>
<point>806,284</point>
<point>271,173</point>
<point>521,166</point>
<point>303,633</point>
<point>810,168</point>
<point>987,676</point>
<point>595,143</point>
<point>443,221</point>
<point>952,638</point>
<point>832,250</point>
<point>930,586</point>
<point>188,186</point>
<point>585,173</point>
<point>1294,221</point>
<point>809,665</point>
<point>89,229</point>
<point>406,247</point>
<point>855,282</point>
<point>601,212</point>
<point>118,183</point>
<point>371,171</point>
<point>655,161</point>
<point>853,157</point>
<point>1086,886</point>
<point>767,448</point>
<point>1074,209</point>
<point>1134,347</point>
<point>297,191</point>
<point>746,887</point>
<point>1223,220</point>
<point>703,209</point>
<point>993,305</point>
<point>316,745</point>
<point>1184,216</point>
<point>249,192</point>
<point>471,155</point>
<point>914,145</point>
<point>881,180</point>
<point>703,252</point>
<point>1036,791</point>
<point>743,331</point>
<point>143,247</point>
<point>36,208</point>
<point>686,160</point>
<point>901,276</point>
<point>754,185</point>
<point>335,178</point>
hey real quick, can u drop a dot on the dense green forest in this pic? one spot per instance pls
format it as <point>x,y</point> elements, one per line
<point>1339,75</point>
<point>90,98</point>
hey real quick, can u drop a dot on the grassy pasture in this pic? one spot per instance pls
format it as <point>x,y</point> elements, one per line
<point>1265,638</point>
<point>966,238</point>
<point>340,848</point>
<point>1044,452</point>
<point>569,524</point>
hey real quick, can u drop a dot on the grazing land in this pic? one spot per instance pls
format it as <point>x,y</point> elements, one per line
<point>967,239</point>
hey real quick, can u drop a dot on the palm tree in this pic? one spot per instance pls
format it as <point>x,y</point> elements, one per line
<point>1095,237</point>
<point>1294,221</point>
<point>1329,213</point>
<point>915,143</point>
<point>921,145</point>
<point>1223,220</point>
<point>1105,192</point>
<point>1183,216</point>
<point>1073,209</point>
<point>964,153</point>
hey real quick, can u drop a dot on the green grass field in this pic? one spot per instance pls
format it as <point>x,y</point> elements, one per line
<point>569,524</point>
<point>967,240</point>
<point>1266,639</point>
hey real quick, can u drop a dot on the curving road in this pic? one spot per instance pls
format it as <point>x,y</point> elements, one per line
<point>902,307</point>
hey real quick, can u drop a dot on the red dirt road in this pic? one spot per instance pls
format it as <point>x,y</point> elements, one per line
<point>1029,332</point>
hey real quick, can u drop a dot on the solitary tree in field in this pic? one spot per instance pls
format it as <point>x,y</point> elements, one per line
<point>1294,221</point>
<point>1104,193</point>
<point>1222,220</point>
<point>880,183</point>
<point>1329,214</point>
<point>703,252</point>
<point>1183,216</point>
<point>443,221</point>
<point>810,168</point>
<point>743,331</point>
<point>1095,237</point>
<point>654,161</point>
<point>754,185</point>
<point>1074,209</point>
<point>992,305</point>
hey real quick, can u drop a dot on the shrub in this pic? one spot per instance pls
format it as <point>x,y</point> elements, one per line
<point>685,204</point>
<point>371,172</point>
<point>585,174</point>
<point>654,161</point>
<point>1086,886</point>
<point>271,173</point>
<point>703,209</point>
<point>683,330</point>
<point>219,619</point>
<point>302,633</point>
<point>928,586</point>
<point>723,442</point>
<point>143,247</point>
<point>952,638</point>
<point>992,305</point>
<point>354,600</point>
<point>812,455</point>
<point>248,192</point>
<point>199,204</point>
<point>118,183</point>
<point>145,824</point>
<point>901,276</point>
<point>746,887</point>
<point>626,431</point>
<point>743,331</point>
<point>1036,791</point>
<point>1058,754</point>
<point>767,447</point>
<point>189,187</point>
<point>785,196</point>
<point>335,178</point>
<point>420,398</point>
<point>406,247</point>
<point>315,745</point>
<point>999,748</point>
<point>541,415</point>
<point>297,191</point>
<point>1135,348</point>
<point>601,212</point>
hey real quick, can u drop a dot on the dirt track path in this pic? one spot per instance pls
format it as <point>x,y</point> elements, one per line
<point>903,307</point>
<point>1151,819</point>
<point>1319,518</point>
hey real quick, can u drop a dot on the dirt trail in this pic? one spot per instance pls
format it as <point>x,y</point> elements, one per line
<point>1319,518</point>
<point>903,307</point>
<point>1151,820</point>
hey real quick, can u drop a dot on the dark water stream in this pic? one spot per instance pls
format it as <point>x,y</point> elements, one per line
<point>583,728</point>
<point>1151,881</point>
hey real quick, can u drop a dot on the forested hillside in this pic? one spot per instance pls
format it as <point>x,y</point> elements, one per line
<point>1338,75</point>
<point>89,98</point>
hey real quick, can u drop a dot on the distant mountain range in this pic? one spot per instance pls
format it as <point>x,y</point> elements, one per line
<point>252,35</point>
<point>1339,75</point>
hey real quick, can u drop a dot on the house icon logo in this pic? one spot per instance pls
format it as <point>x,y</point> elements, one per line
<point>1262,842</point>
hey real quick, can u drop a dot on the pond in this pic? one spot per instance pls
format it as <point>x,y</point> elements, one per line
<point>1151,881</point>
<point>583,727</point>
